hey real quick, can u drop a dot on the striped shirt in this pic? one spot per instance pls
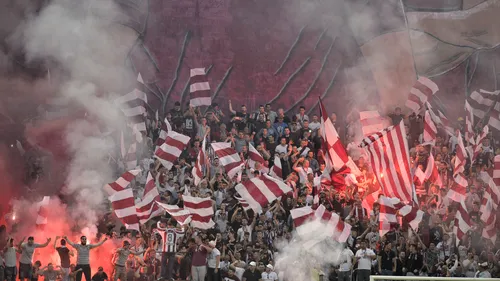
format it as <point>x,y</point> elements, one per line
<point>83,253</point>
<point>122,256</point>
<point>169,237</point>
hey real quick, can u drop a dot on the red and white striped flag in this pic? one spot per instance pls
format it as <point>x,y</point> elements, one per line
<point>370,199</point>
<point>201,160</point>
<point>260,191</point>
<point>130,157</point>
<point>170,151</point>
<point>121,183</point>
<point>199,88</point>
<point>412,215</point>
<point>42,212</point>
<point>489,206</point>
<point>336,158</point>
<point>276,169</point>
<point>371,122</point>
<point>334,226</point>
<point>389,157</point>
<point>461,154</point>
<point>441,120</point>
<point>164,129</point>
<point>123,203</point>
<point>457,191</point>
<point>481,102</point>
<point>432,172</point>
<point>419,176</point>
<point>430,130</point>
<point>254,157</point>
<point>182,216</point>
<point>494,120</point>
<point>469,121</point>
<point>201,210</point>
<point>476,148</point>
<point>243,203</point>
<point>228,157</point>
<point>496,170</point>
<point>133,106</point>
<point>420,93</point>
<point>388,213</point>
<point>146,208</point>
<point>462,222</point>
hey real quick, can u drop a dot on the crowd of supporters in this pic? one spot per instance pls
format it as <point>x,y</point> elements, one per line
<point>242,245</point>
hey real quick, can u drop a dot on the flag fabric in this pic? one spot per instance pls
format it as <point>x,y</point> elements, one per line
<point>42,212</point>
<point>388,213</point>
<point>277,170</point>
<point>494,120</point>
<point>478,144</point>
<point>462,222</point>
<point>199,88</point>
<point>164,129</point>
<point>170,151</point>
<point>432,172</point>
<point>123,203</point>
<point>121,183</point>
<point>371,122</point>
<point>441,120</point>
<point>489,206</point>
<point>457,192</point>
<point>420,93</point>
<point>201,210</point>
<point>370,199</point>
<point>131,157</point>
<point>469,123</point>
<point>228,157</point>
<point>260,191</point>
<point>419,176</point>
<point>412,215</point>
<point>334,226</point>
<point>182,216</point>
<point>133,106</point>
<point>461,154</point>
<point>254,157</point>
<point>244,204</point>
<point>201,160</point>
<point>146,207</point>
<point>430,130</point>
<point>482,102</point>
<point>389,158</point>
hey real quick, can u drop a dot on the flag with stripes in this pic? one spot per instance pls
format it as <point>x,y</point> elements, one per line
<point>432,172</point>
<point>121,183</point>
<point>164,129</point>
<point>182,216</point>
<point>133,106</point>
<point>201,210</point>
<point>494,120</point>
<point>469,123</point>
<point>243,203</point>
<point>489,206</point>
<point>254,157</point>
<point>42,212</point>
<point>371,122</point>
<point>461,155</point>
<point>201,160</point>
<point>420,93</point>
<point>171,149</point>
<point>199,88</point>
<point>370,199</point>
<point>419,176</point>
<point>462,223</point>
<point>441,120</point>
<point>482,102</point>
<point>228,157</point>
<point>389,157</point>
<point>333,226</point>
<point>388,213</point>
<point>276,169</point>
<point>131,157</point>
<point>123,203</point>
<point>146,207</point>
<point>260,191</point>
<point>457,191</point>
<point>430,130</point>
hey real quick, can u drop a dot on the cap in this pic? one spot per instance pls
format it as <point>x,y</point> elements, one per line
<point>212,244</point>
<point>253,264</point>
<point>270,266</point>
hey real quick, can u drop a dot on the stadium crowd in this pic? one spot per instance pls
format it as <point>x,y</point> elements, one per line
<point>242,245</point>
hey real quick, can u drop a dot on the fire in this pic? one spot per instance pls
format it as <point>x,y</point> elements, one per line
<point>14,216</point>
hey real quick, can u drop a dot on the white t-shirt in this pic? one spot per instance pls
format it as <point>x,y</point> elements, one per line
<point>10,257</point>
<point>211,259</point>
<point>281,149</point>
<point>346,260</point>
<point>271,276</point>
<point>238,271</point>
<point>303,173</point>
<point>364,261</point>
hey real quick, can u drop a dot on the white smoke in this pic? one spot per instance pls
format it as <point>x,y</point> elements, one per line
<point>313,249</point>
<point>90,46</point>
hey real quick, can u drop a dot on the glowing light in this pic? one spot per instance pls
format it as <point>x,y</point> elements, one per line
<point>14,217</point>
<point>381,175</point>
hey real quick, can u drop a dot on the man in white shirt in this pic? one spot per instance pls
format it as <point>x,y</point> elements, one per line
<point>364,257</point>
<point>213,263</point>
<point>282,147</point>
<point>346,262</point>
<point>10,252</point>
<point>269,274</point>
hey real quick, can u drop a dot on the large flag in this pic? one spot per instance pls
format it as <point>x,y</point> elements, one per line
<point>121,183</point>
<point>201,211</point>
<point>482,102</point>
<point>441,120</point>
<point>146,208</point>
<point>42,212</point>
<point>420,93</point>
<point>133,106</point>
<point>201,160</point>
<point>432,172</point>
<point>389,157</point>
<point>228,157</point>
<point>469,123</point>
<point>371,122</point>
<point>457,191</point>
<point>430,130</point>
<point>462,222</point>
<point>123,203</point>
<point>276,169</point>
<point>254,157</point>
<point>181,215</point>
<point>260,191</point>
<point>199,88</point>
<point>461,155</point>
<point>164,129</point>
<point>170,151</point>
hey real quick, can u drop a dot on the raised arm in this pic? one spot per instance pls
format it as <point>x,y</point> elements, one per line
<point>92,246</point>
<point>69,241</point>
<point>45,244</point>
<point>19,246</point>
<point>55,241</point>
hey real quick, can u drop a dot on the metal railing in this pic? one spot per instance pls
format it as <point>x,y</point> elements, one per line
<point>403,278</point>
